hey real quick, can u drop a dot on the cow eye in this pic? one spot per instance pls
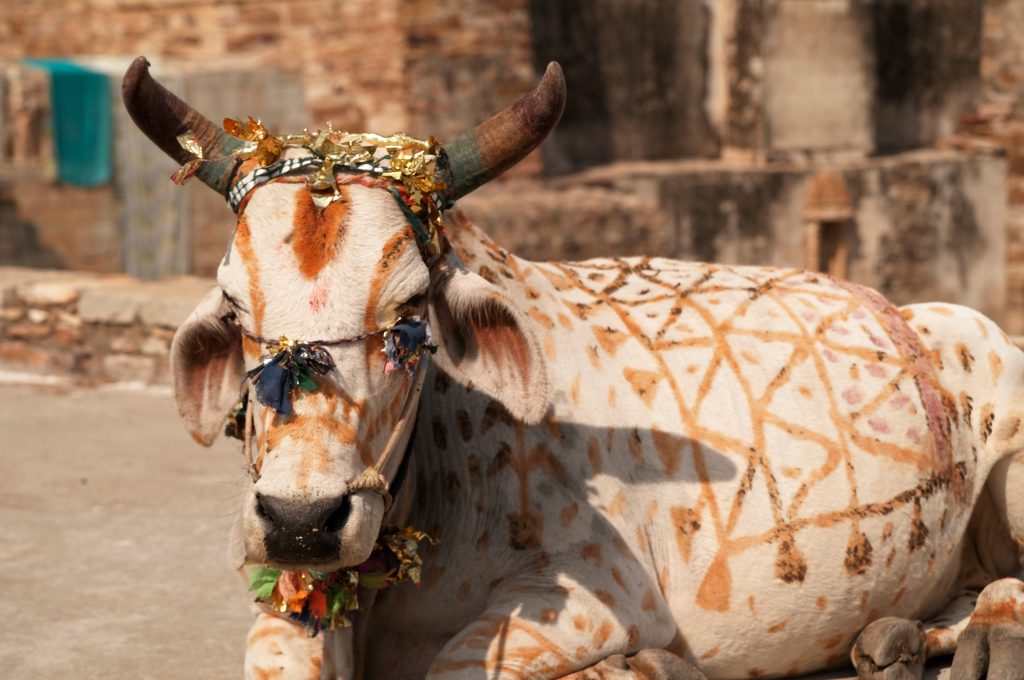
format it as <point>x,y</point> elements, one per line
<point>232,302</point>
<point>412,306</point>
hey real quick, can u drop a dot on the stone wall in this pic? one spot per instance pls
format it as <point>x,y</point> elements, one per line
<point>93,327</point>
<point>922,226</point>
<point>424,66</point>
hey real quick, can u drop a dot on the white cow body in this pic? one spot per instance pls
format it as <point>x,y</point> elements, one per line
<point>631,467</point>
<point>669,435</point>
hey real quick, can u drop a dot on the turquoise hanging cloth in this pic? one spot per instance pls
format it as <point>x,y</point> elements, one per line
<point>81,120</point>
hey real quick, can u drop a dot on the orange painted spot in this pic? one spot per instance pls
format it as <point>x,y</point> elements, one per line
<point>318,233</point>
<point>605,597</point>
<point>463,590</point>
<point>716,588</point>
<point>610,339</point>
<point>644,383</point>
<point>831,642</point>
<point>617,505</point>
<point>821,602</point>
<point>686,523</point>
<point>541,318</point>
<point>669,447</point>
<point>778,627</point>
<point>580,622</point>
<point>592,551</point>
<point>548,615</point>
<point>594,455</point>
<point>710,654</point>
<point>603,633</point>
<point>619,581</point>
<point>569,513</point>
<point>648,603</point>
<point>574,390</point>
<point>995,365</point>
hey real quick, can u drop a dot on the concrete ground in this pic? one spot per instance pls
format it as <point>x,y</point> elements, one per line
<point>113,527</point>
<point>113,541</point>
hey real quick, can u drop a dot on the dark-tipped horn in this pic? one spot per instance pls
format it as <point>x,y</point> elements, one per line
<point>494,146</point>
<point>162,116</point>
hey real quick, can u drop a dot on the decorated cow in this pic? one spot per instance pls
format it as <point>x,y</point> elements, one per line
<point>468,465</point>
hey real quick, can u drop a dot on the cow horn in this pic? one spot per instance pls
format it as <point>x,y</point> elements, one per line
<point>494,146</point>
<point>162,116</point>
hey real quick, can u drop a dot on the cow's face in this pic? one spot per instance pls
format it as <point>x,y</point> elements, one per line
<point>338,274</point>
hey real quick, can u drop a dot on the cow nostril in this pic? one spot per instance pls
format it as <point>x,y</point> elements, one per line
<point>337,519</point>
<point>261,509</point>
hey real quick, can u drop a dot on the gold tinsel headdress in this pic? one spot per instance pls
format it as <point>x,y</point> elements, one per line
<point>410,164</point>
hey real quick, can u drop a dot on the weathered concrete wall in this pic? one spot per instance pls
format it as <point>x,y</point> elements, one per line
<point>637,70</point>
<point>927,62</point>
<point>819,77</point>
<point>924,224</point>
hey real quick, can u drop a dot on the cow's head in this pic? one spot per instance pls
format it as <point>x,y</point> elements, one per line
<point>339,274</point>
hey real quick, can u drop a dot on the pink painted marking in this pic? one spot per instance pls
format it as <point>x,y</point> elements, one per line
<point>875,370</point>
<point>909,346</point>
<point>852,395</point>
<point>879,425</point>
<point>318,296</point>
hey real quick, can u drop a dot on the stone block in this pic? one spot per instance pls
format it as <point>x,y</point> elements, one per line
<point>24,355</point>
<point>26,330</point>
<point>12,313</point>
<point>109,304</point>
<point>66,335</point>
<point>49,293</point>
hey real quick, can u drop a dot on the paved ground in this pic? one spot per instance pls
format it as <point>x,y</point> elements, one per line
<point>113,542</point>
<point>113,535</point>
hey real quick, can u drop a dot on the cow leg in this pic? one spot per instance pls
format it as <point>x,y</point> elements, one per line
<point>280,649</point>
<point>890,648</point>
<point>992,645</point>
<point>647,664</point>
<point>552,631</point>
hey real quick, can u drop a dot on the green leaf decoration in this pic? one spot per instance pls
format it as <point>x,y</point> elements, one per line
<point>263,581</point>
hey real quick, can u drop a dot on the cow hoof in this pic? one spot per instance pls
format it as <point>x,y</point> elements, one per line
<point>890,649</point>
<point>992,645</point>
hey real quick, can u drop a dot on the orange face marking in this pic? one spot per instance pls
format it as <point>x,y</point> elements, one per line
<point>243,244</point>
<point>390,254</point>
<point>317,233</point>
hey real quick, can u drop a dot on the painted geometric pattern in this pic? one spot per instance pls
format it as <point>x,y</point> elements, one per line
<point>803,404</point>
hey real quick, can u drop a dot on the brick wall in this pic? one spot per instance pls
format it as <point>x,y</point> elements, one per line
<point>381,65</point>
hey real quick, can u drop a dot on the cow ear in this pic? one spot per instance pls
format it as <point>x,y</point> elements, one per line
<point>207,367</point>
<point>485,342</point>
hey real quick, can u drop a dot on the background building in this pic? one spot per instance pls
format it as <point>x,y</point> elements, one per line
<point>879,140</point>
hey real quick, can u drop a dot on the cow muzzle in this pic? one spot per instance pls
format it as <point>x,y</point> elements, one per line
<point>328,532</point>
<point>300,530</point>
